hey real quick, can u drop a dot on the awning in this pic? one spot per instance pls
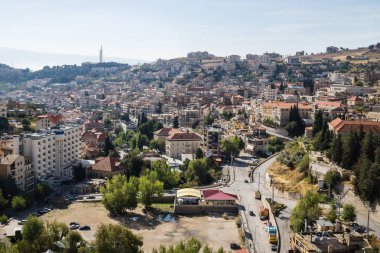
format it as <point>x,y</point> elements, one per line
<point>188,192</point>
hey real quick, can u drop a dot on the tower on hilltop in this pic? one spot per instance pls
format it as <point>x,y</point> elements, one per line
<point>101,54</point>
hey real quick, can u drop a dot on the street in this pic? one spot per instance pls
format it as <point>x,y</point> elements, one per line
<point>246,194</point>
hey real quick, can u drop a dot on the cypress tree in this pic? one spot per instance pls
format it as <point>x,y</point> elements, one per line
<point>348,158</point>
<point>337,149</point>
<point>318,122</point>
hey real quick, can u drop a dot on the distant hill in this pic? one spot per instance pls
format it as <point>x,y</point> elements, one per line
<point>37,60</point>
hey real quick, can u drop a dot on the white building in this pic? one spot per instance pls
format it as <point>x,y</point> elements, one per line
<point>350,90</point>
<point>3,108</point>
<point>53,153</point>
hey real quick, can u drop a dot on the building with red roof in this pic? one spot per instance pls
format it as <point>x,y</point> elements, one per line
<point>339,126</point>
<point>106,167</point>
<point>218,197</point>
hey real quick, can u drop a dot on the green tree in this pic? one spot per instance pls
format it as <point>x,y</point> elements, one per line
<point>4,124</point>
<point>190,246</point>
<point>307,208</point>
<point>331,215</point>
<point>296,126</point>
<point>120,194</point>
<point>41,191</point>
<point>274,145</point>
<point>208,120</point>
<point>134,163</point>
<point>158,144</point>
<point>175,122</point>
<point>332,178</point>
<point>336,151</point>
<point>318,122</point>
<point>74,238</point>
<point>117,239</point>
<point>351,149</point>
<point>349,213</point>
<point>3,201</point>
<point>232,146</point>
<point>198,153</point>
<point>199,172</point>
<point>165,174</point>
<point>33,234</point>
<point>56,231</point>
<point>19,203</point>
<point>79,173</point>
<point>149,187</point>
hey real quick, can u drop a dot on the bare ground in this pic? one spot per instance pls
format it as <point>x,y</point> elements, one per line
<point>286,179</point>
<point>213,230</point>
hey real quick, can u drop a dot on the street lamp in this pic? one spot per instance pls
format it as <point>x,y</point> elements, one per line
<point>367,204</point>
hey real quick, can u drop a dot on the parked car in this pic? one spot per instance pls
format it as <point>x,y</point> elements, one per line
<point>234,246</point>
<point>251,213</point>
<point>274,247</point>
<point>361,229</point>
<point>85,228</point>
<point>74,225</point>
<point>354,225</point>
<point>21,222</point>
<point>246,181</point>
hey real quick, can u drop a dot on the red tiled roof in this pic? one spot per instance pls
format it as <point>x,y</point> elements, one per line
<point>346,126</point>
<point>354,98</point>
<point>213,194</point>
<point>184,137</point>
<point>108,163</point>
<point>284,105</point>
<point>325,104</point>
<point>167,131</point>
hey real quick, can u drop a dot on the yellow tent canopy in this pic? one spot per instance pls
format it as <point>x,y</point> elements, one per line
<point>188,192</point>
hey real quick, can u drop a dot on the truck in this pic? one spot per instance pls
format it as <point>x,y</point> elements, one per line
<point>272,233</point>
<point>263,213</point>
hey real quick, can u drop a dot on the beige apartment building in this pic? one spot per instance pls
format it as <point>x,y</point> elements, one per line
<point>279,112</point>
<point>182,143</point>
<point>19,169</point>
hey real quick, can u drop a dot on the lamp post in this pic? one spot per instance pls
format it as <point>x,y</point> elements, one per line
<point>367,204</point>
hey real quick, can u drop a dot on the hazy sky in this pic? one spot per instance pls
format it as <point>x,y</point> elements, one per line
<point>151,29</point>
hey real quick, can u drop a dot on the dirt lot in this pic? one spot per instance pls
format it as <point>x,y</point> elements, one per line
<point>213,230</point>
<point>289,180</point>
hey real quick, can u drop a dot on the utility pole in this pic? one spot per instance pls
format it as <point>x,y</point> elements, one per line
<point>367,204</point>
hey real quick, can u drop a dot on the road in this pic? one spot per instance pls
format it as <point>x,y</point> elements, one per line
<point>246,195</point>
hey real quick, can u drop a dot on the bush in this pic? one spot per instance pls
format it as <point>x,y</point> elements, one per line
<point>19,203</point>
<point>3,219</point>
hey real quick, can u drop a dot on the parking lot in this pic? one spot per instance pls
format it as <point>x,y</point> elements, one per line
<point>211,229</point>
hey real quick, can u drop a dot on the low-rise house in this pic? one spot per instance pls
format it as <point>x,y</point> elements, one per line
<point>106,167</point>
<point>182,143</point>
<point>48,121</point>
<point>355,101</point>
<point>339,126</point>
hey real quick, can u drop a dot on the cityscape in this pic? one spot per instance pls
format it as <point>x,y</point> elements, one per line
<point>267,151</point>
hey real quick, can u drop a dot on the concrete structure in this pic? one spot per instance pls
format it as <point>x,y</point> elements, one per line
<point>279,112</point>
<point>182,143</point>
<point>212,138</point>
<point>188,117</point>
<point>48,121</point>
<point>53,153</point>
<point>3,109</point>
<point>18,169</point>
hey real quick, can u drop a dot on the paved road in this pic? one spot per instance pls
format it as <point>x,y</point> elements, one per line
<point>246,194</point>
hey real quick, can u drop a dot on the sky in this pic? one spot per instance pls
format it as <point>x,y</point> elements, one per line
<point>152,29</point>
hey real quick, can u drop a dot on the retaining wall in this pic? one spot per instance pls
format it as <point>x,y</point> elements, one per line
<point>204,209</point>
